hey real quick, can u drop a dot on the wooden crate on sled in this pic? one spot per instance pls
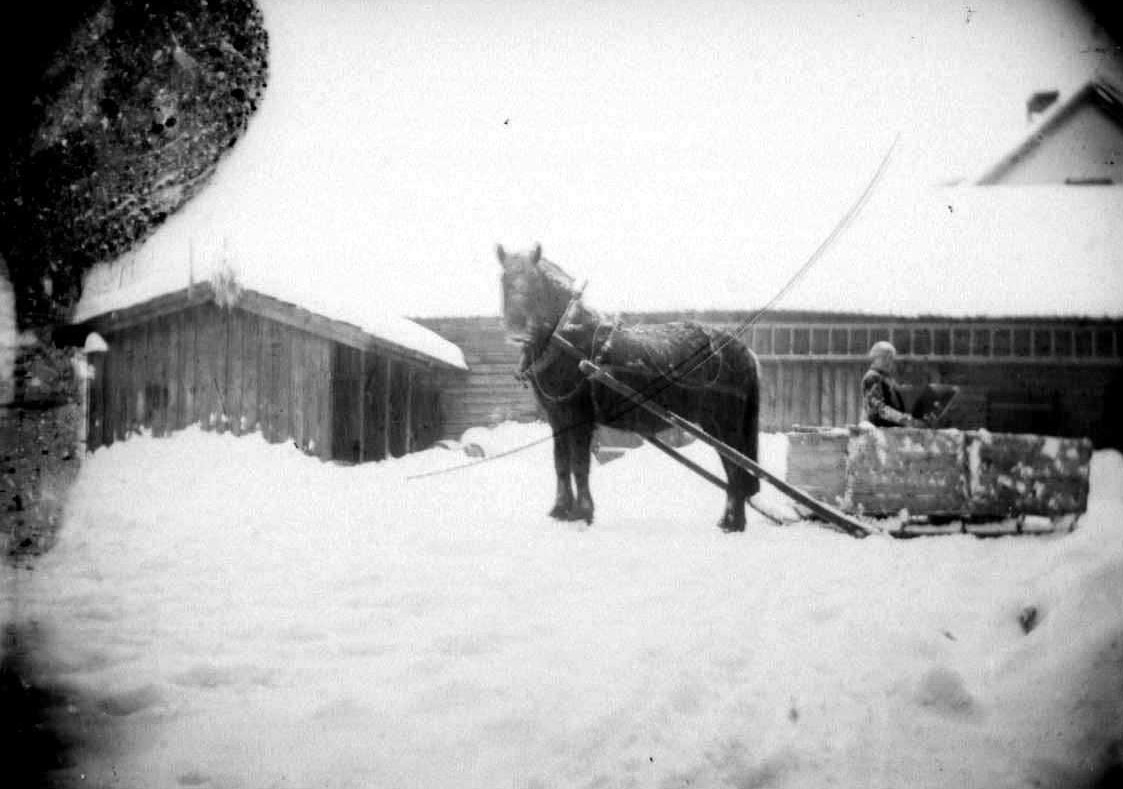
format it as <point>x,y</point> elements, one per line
<point>945,481</point>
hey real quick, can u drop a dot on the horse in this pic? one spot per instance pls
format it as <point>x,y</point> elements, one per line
<point>702,373</point>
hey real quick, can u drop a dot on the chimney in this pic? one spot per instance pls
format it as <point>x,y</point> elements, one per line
<point>1039,102</point>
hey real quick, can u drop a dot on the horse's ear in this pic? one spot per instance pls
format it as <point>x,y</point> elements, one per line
<point>536,254</point>
<point>501,253</point>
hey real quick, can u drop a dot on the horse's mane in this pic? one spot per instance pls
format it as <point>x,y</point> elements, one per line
<point>556,274</point>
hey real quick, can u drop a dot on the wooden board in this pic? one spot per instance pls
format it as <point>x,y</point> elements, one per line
<point>235,370</point>
<point>817,463</point>
<point>917,470</point>
<point>1027,474</point>
<point>253,358</point>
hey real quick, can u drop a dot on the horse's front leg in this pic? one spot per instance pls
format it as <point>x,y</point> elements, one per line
<point>563,499</point>
<point>581,438</point>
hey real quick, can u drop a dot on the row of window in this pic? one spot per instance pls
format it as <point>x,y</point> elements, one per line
<point>958,341</point>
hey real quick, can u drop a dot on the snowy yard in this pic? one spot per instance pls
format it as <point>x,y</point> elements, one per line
<point>246,616</point>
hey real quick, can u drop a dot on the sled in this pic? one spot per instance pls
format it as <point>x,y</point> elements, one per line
<point>905,481</point>
<point>909,482</point>
<point>945,481</point>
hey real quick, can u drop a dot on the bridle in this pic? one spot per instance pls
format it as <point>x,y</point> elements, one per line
<point>530,368</point>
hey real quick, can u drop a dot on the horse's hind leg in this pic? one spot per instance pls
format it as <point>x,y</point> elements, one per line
<point>733,519</point>
<point>742,484</point>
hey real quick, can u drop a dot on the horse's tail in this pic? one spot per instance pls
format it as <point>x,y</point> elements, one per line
<point>750,424</point>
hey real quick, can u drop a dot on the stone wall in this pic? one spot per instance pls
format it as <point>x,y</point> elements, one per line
<point>41,433</point>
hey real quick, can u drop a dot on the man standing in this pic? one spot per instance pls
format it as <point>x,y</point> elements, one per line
<point>884,405</point>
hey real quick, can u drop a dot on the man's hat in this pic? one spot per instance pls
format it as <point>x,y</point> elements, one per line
<point>882,348</point>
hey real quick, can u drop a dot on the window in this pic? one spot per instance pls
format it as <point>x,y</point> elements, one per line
<point>902,341</point>
<point>961,342</point>
<point>1042,342</point>
<point>783,341</point>
<point>801,341</point>
<point>980,342</point>
<point>1062,342</point>
<point>922,342</point>
<point>941,342</point>
<point>1002,342</point>
<point>820,341</point>
<point>762,339</point>
<point>1082,340</point>
<point>1105,342</point>
<point>860,342</point>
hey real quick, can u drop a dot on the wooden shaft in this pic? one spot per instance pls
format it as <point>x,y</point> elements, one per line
<point>837,517</point>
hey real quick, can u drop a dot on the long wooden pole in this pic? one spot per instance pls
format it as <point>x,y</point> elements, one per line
<point>828,513</point>
<point>387,403</point>
<point>362,399</point>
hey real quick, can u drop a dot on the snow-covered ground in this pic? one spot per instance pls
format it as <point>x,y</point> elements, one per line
<point>246,616</point>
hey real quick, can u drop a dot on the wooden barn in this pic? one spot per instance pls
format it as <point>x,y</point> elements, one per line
<point>251,362</point>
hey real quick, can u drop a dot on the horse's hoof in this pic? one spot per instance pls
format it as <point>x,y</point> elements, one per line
<point>560,513</point>
<point>730,528</point>
<point>581,514</point>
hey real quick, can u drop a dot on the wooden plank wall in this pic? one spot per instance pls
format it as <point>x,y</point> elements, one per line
<point>426,412</point>
<point>802,392</point>
<point>382,406</point>
<point>489,394</point>
<point>347,401</point>
<point>226,370</point>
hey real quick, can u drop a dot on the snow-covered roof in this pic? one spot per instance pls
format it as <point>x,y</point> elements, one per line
<point>129,282</point>
<point>966,251</point>
<point>1098,92</point>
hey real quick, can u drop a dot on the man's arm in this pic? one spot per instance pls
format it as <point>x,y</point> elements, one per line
<point>876,405</point>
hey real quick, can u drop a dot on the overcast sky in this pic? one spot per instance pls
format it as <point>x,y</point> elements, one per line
<point>674,154</point>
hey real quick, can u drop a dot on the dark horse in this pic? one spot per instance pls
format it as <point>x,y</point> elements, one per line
<point>703,374</point>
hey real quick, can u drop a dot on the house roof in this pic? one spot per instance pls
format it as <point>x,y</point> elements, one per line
<point>341,316</point>
<point>1097,92</point>
<point>1047,251</point>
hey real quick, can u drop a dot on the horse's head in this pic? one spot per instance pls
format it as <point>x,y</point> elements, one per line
<point>535,294</point>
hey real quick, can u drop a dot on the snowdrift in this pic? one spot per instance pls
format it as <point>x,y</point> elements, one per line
<point>240,615</point>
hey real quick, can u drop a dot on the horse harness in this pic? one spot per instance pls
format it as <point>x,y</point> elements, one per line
<point>531,368</point>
